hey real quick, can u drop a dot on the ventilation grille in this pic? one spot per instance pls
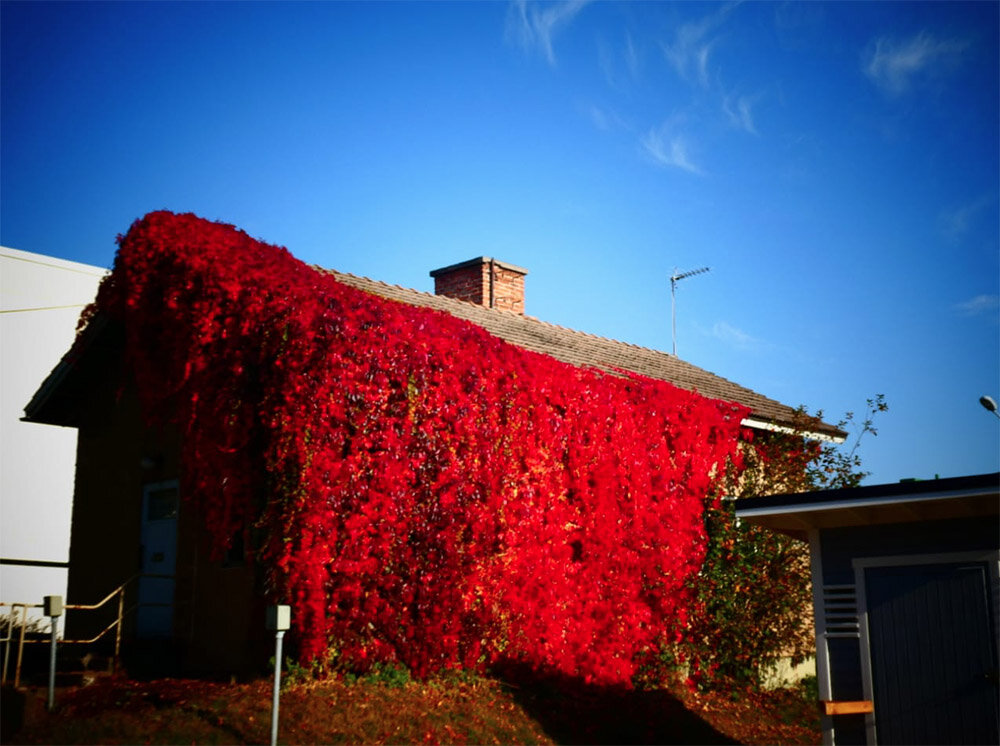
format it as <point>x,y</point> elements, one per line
<point>840,611</point>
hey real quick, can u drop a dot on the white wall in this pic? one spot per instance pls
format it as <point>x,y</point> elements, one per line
<point>41,298</point>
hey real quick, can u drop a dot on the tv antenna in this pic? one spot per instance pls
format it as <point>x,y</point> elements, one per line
<point>674,279</point>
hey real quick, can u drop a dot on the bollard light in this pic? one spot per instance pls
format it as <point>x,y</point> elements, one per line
<point>52,605</point>
<point>53,608</point>
<point>279,619</point>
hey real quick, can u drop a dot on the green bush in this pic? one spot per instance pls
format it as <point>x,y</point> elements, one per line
<point>753,595</point>
<point>388,674</point>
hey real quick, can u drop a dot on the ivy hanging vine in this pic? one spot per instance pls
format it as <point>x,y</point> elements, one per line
<point>427,494</point>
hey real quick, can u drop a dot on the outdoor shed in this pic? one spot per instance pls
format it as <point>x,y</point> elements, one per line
<point>905,593</point>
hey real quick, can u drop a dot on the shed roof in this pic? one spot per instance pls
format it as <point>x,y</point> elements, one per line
<point>900,502</point>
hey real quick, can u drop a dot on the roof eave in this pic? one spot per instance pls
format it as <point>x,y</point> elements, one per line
<point>831,435</point>
<point>57,400</point>
<point>797,514</point>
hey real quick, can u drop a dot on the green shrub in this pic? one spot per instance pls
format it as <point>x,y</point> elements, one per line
<point>388,674</point>
<point>753,595</point>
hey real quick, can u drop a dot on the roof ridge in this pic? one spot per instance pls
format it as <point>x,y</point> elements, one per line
<point>445,298</point>
<point>605,353</point>
<point>535,319</point>
<point>448,298</point>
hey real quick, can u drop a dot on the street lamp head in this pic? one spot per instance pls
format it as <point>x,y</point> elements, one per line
<point>988,403</point>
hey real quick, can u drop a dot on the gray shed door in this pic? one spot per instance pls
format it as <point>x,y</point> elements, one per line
<point>933,654</point>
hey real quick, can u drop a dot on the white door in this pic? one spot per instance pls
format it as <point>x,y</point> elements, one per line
<point>155,612</point>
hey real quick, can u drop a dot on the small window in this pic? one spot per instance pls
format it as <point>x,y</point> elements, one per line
<point>162,504</point>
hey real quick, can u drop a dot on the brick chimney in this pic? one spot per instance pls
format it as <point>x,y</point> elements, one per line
<point>485,281</point>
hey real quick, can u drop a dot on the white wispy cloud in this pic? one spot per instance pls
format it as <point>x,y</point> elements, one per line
<point>956,222</point>
<point>670,149</point>
<point>534,26</point>
<point>605,119</point>
<point>631,55</point>
<point>690,51</point>
<point>598,117</point>
<point>894,65</point>
<point>736,338</point>
<point>979,305</point>
<point>620,63</point>
<point>739,111</point>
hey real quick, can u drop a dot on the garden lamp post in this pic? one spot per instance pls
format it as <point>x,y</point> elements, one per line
<point>53,608</point>
<point>279,620</point>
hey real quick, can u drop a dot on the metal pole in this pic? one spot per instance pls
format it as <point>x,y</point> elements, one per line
<point>53,606</point>
<point>673,306</point>
<point>52,664</point>
<point>277,685</point>
<point>673,312</point>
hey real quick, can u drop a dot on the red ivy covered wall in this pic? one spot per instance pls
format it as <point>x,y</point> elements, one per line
<point>426,493</point>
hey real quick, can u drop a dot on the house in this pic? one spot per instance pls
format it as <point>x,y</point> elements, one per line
<point>41,298</point>
<point>906,597</point>
<point>129,524</point>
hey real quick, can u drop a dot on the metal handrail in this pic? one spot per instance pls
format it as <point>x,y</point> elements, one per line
<point>20,644</point>
<point>116,625</point>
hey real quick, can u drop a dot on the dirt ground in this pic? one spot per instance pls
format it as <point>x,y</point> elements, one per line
<point>457,711</point>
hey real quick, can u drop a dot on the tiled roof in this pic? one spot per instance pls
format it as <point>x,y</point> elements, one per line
<point>579,348</point>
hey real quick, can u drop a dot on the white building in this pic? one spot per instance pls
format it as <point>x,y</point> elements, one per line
<point>41,298</point>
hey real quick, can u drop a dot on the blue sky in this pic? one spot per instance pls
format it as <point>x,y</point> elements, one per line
<point>836,165</point>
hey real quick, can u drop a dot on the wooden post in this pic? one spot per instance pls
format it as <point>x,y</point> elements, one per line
<point>859,707</point>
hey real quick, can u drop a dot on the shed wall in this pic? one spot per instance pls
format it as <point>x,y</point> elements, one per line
<point>841,545</point>
<point>839,548</point>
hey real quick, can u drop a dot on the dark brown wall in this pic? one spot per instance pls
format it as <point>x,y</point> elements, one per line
<point>219,620</point>
<point>218,609</point>
<point>107,502</point>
